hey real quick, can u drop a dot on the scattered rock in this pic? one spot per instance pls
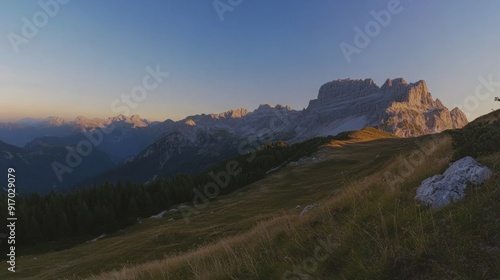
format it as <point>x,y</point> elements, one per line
<point>307,208</point>
<point>308,160</point>
<point>159,215</point>
<point>439,190</point>
<point>273,169</point>
<point>171,220</point>
<point>97,238</point>
<point>335,192</point>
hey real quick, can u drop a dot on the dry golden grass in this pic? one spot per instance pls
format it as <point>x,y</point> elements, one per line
<point>364,135</point>
<point>378,230</point>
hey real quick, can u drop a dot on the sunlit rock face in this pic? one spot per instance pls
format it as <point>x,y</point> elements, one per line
<point>402,108</point>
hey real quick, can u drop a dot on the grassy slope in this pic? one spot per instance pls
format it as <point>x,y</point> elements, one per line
<point>254,233</point>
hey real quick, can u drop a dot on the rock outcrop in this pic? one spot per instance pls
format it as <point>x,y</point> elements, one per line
<point>398,107</point>
<point>439,190</point>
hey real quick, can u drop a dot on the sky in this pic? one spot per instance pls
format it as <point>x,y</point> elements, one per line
<point>72,57</point>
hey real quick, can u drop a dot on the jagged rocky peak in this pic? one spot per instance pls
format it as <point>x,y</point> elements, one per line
<point>458,118</point>
<point>238,113</point>
<point>80,119</point>
<point>346,88</point>
<point>400,86</point>
<point>394,85</point>
<point>419,96</point>
<point>281,107</point>
<point>136,121</point>
<point>190,122</point>
<point>84,122</point>
<point>135,118</point>
<point>270,107</point>
<point>440,104</point>
<point>231,114</point>
<point>420,85</point>
<point>264,107</point>
<point>118,118</point>
<point>415,94</point>
<point>54,121</point>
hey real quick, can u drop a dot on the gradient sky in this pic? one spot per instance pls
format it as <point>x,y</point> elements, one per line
<point>281,51</point>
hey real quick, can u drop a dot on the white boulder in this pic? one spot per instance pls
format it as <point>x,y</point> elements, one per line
<point>440,190</point>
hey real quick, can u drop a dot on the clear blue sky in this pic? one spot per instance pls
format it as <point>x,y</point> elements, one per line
<point>281,51</point>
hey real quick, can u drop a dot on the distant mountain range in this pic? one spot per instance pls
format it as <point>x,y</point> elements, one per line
<point>29,131</point>
<point>143,150</point>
